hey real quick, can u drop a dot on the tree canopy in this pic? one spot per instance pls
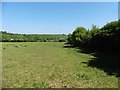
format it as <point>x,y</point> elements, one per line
<point>107,37</point>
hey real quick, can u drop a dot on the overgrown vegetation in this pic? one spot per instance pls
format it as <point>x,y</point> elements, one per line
<point>10,37</point>
<point>105,38</point>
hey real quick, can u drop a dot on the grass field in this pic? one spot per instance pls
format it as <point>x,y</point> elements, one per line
<point>50,65</point>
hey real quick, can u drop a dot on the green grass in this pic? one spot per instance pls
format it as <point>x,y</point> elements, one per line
<point>50,65</point>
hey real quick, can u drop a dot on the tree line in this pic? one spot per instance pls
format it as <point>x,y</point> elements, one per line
<point>10,37</point>
<point>105,38</point>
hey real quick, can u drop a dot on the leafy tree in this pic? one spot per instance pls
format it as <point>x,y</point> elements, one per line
<point>108,37</point>
<point>70,41</point>
<point>78,36</point>
<point>112,33</point>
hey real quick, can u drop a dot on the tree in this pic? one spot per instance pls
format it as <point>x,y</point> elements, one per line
<point>78,36</point>
<point>70,41</point>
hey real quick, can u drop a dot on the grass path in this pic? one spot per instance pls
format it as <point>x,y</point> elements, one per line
<point>49,64</point>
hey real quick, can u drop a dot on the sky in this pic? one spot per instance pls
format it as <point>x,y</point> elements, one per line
<point>119,10</point>
<point>55,17</point>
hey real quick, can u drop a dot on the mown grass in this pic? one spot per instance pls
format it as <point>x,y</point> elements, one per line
<point>50,65</point>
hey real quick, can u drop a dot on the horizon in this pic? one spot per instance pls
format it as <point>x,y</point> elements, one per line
<point>36,33</point>
<point>56,17</point>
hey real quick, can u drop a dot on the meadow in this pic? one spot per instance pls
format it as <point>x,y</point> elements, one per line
<point>50,65</point>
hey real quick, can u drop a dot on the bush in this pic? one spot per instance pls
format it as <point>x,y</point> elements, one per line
<point>108,37</point>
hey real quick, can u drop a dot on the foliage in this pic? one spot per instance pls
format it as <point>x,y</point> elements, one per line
<point>9,37</point>
<point>111,32</point>
<point>107,37</point>
<point>77,37</point>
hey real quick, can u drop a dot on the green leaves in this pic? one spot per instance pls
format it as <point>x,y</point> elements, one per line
<point>108,37</point>
<point>8,37</point>
<point>78,35</point>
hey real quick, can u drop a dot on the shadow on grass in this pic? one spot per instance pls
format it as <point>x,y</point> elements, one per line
<point>68,46</point>
<point>106,61</point>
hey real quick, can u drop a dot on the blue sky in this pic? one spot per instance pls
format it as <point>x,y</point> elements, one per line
<point>119,10</point>
<point>56,17</point>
